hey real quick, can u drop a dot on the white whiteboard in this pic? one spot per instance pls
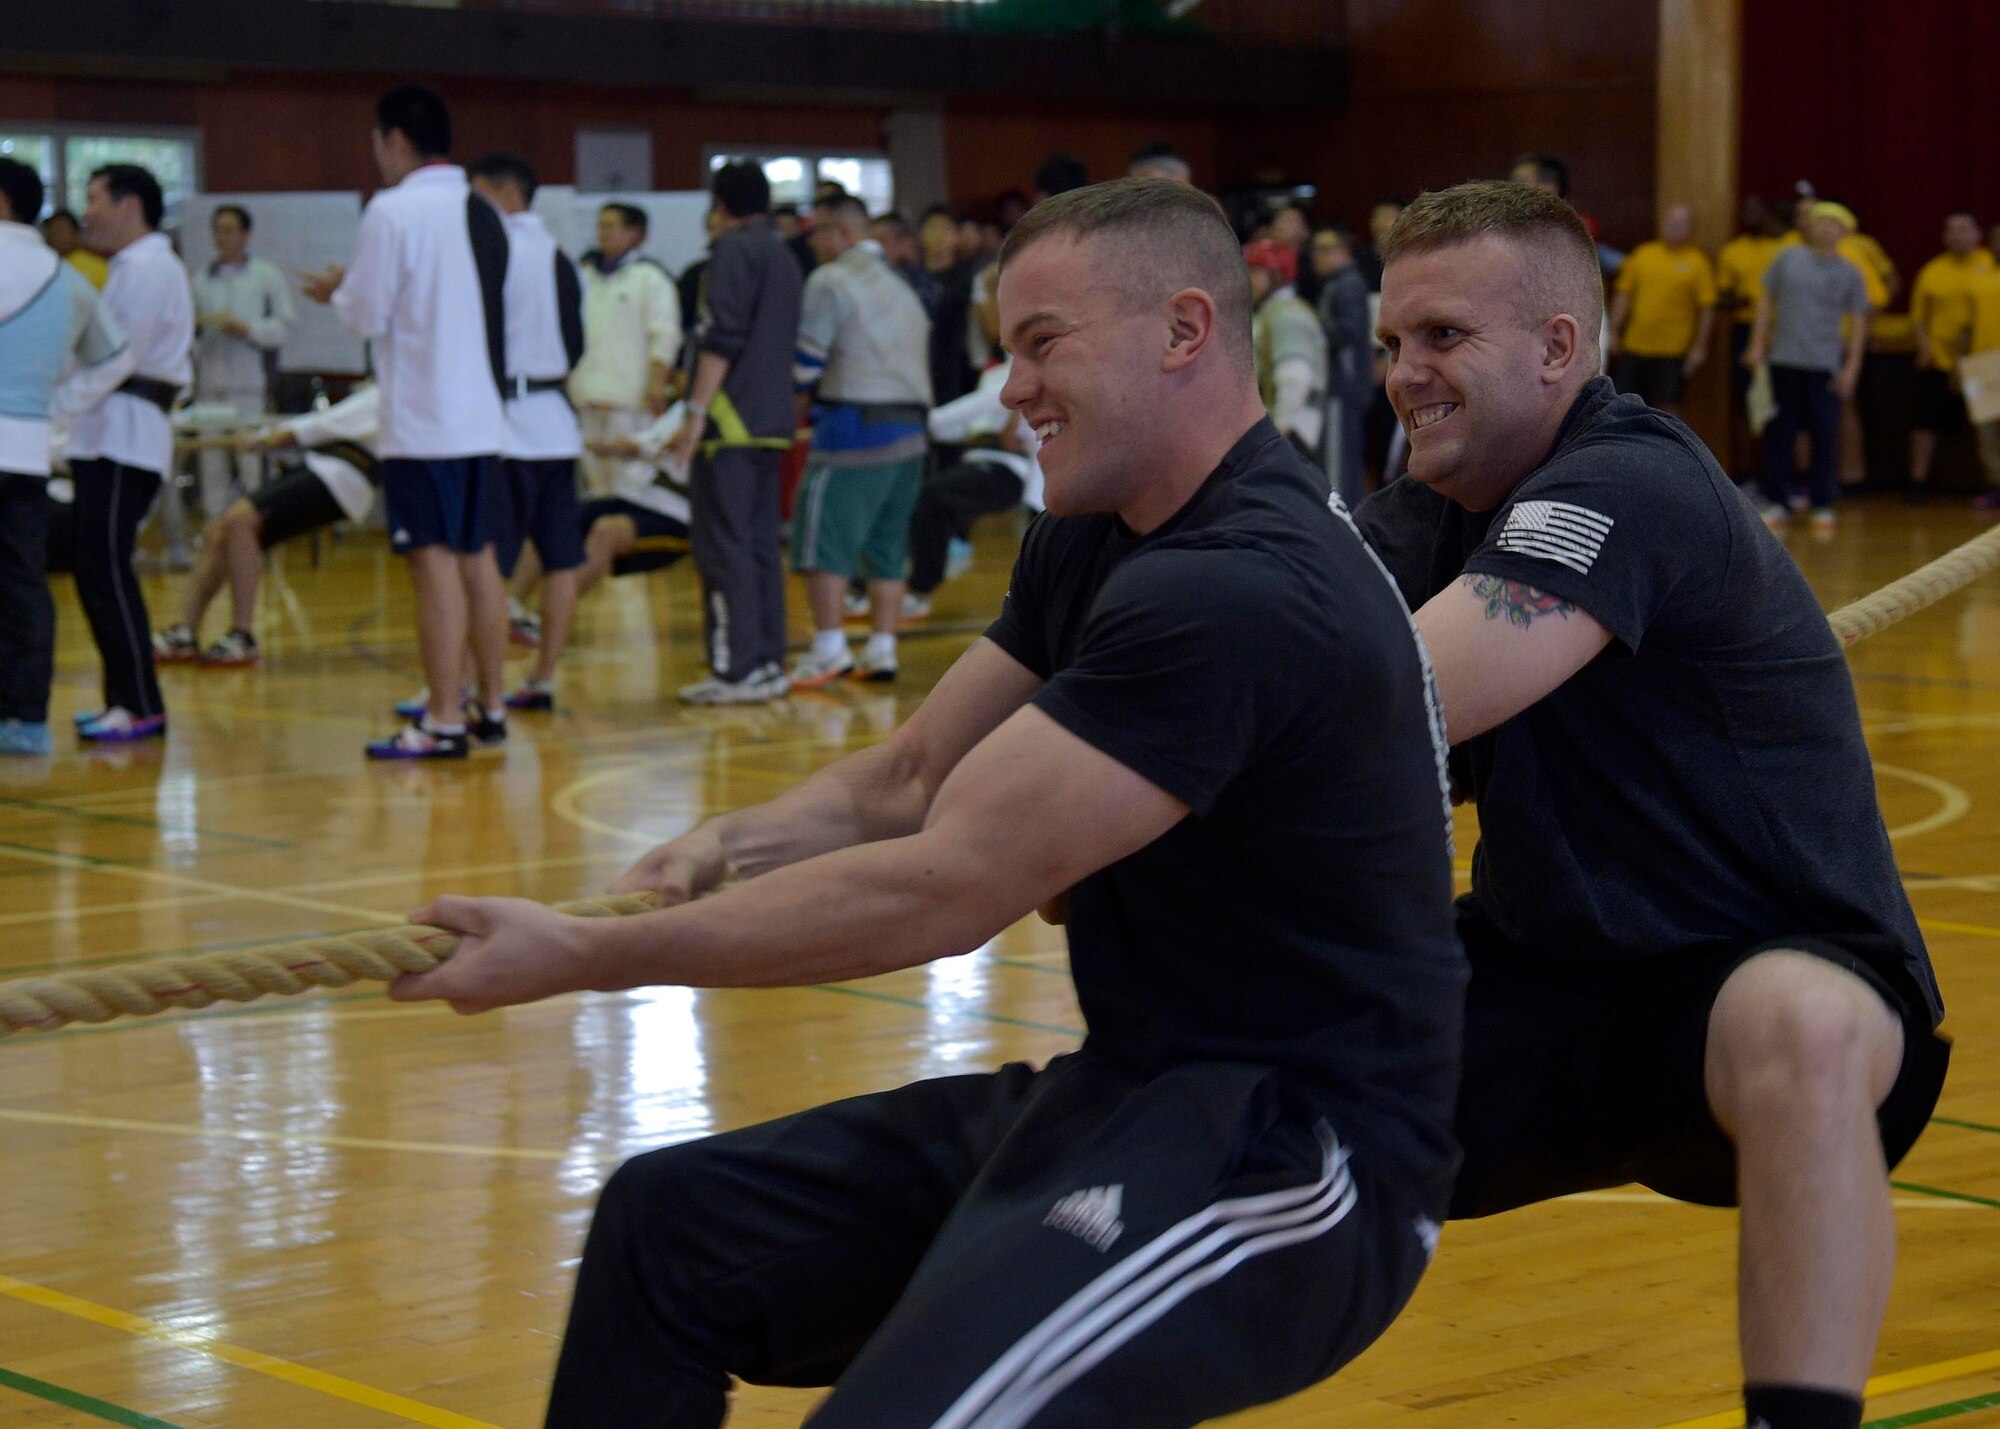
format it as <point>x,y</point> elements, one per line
<point>676,233</point>
<point>295,231</point>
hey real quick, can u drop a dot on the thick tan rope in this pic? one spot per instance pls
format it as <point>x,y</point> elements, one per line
<point>141,989</point>
<point>1925,586</point>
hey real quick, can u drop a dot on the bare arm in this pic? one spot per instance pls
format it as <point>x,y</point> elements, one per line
<point>1704,334</point>
<point>987,853</point>
<point>1857,349</point>
<point>874,794</point>
<point>1497,646</point>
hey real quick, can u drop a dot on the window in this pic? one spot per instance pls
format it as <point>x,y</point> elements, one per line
<point>65,156</point>
<point>792,176</point>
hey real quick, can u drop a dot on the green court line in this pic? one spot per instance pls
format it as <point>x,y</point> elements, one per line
<point>1968,1125</point>
<point>1966,1196</point>
<point>923,1006</point>
<point>88,860</point>
<point>83,1403</point>
<point>132,821</point>
<point>1937,1412</point>
<point>65,964</point>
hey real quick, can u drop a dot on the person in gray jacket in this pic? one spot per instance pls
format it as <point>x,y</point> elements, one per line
<point>740,414</point>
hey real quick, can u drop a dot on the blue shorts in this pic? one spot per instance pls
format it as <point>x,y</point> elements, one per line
<point>440,501</point>
<point>662,540</point>
<point>540,506</point>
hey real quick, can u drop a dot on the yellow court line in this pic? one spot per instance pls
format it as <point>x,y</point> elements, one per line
<point>198,885</point>
<point>256,1361</point>
<point>95,910</point>
<point>1654,1198</point>
<point>1961,1368</point>
<point>280,1138</point>
<point>1954,803</point>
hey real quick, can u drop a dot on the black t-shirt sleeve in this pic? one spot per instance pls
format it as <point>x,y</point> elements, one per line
<point>1175,670</point>
<point>1628,528</point>
<point>1021,629</point>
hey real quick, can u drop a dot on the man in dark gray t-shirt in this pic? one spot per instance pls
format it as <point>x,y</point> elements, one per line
<point>1810,291</point>
<point>1693,963</point>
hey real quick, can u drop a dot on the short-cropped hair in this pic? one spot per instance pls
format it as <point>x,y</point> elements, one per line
<point>631,215</point>
<point>422,116</point>
<point>1168,236</point>
<point>123,181</point>
<point>845,209</point>
<point>242,214</point>
<point>505,167</point>
<point>24,190</point>
<point>742,189</point>
<point>1558,258</point>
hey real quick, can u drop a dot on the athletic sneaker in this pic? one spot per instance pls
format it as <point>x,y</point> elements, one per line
<point>533,695</point>
<point>525,630</point>
<point>20,736</point>
<point>1775,516</point>
<point>811,670</point>
<point>1824,519</point>
<point>119,725</point>
<point>487,730</point>
<point>238,647</point>
<point>766,684</point>
<point>174,645</point>
<point>957,558</point>
<point>878,665</point>
<point>916,609</point>
<point>419,740</point>
<point>1799,503</point>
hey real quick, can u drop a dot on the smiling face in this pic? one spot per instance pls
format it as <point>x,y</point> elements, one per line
<point>1087,371</point>
<point>1478,382</point>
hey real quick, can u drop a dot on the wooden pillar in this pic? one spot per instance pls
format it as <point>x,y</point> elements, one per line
<point>1697,139</point>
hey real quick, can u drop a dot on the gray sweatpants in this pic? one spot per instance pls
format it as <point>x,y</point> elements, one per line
<point>734,499</point>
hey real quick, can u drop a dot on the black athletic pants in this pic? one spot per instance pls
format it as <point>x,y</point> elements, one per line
<point>946,507</point>
<point>27,613</point>
<point>736,527</point>
<point>111,501</point>
<point>1805,400</point>
<point>1072,1247</point>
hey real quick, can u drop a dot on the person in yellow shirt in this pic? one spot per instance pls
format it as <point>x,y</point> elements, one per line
<point>1662,314</point>
<point>62,232</point>
<point>1941,313</point>
<point>1984,336</point>
<point>1739,278</point>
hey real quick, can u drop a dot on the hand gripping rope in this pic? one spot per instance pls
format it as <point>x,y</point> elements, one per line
<point>140,989</point>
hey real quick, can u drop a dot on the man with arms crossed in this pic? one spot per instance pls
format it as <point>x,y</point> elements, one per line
<point>1693,965</point>
<point>1232,1187</point>
<point>426,290</point>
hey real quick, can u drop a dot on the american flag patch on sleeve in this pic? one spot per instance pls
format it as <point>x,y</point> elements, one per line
<point>1555,531</point>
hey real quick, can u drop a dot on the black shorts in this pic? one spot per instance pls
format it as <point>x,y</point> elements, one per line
<point>1073,1247</point>
<point>540,506</point>
<point>662,540</point>
<point>1581,1076</point>
<point>1938,408</point>
<point>446,501</point>
<point>292,505</point>
<point>1655,379</point>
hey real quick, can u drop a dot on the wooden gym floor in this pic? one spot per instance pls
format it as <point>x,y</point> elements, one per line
<point>338,1211</point>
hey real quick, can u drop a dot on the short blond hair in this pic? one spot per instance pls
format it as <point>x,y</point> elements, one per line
<point>1558,256</point>
<point>1170,236</point>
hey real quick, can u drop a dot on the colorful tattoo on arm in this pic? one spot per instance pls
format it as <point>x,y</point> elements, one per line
<point>1516,601</point>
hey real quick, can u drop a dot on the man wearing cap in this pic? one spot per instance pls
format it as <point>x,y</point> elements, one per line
<point>1808,291</point>
<point>1290,344</point>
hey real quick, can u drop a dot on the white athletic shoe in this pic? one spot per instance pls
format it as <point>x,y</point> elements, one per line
<point>916,609</point>
<point>878,666</point>
<point>1775,516</point>
<point>761,687</point>
<point>810,671</point>
<point>1825,520</point>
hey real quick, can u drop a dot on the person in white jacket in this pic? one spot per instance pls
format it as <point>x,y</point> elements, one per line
<point>997,473</point>
<point>335,481</point>
<point>243,311</point>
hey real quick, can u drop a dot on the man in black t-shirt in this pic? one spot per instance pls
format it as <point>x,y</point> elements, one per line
<point>1693,964</point>
<point>1204,716</point>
